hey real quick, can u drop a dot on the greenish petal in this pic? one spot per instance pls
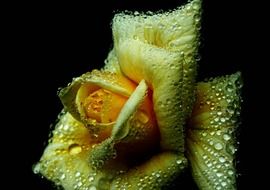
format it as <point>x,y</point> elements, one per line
<point>211,141</point>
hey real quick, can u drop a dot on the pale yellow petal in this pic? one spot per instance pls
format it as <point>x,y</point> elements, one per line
<point>120,130</point>
<point>161,49</point>
<point>211,139</point>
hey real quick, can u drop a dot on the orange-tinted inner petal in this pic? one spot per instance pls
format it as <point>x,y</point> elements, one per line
<point>103,105</point>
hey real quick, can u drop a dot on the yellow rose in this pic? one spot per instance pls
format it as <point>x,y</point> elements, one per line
<point>123,127</point>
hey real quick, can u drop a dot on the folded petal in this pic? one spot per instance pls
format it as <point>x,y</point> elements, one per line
<point>211,142</point>
<point>130,126</point>
<point>161,49</point>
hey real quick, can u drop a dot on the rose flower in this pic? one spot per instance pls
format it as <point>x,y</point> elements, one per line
<point>124,127</point>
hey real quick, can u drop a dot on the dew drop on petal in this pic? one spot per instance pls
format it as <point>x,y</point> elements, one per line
<point>219,174</point>
<point>92,188</point>
<point>223,183</point>
<point>218,146</point>
<point>143,117</point>
<point>91,178</point>
<point>226,137</point>
<point>222,159</point>
<point>79,184</point>
<point>77,174</point>
<point>179,161</point>
<point>63,176</point>
<point>230,172</point>
<point>74,149</point>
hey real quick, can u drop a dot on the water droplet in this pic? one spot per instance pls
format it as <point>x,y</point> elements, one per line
<point>136,13</point>
<point>79,184</point>
<point>222,159</point>
<point>222,119</point>
<point>229,88</point>
<point>143,117</point>
<point>74,149</point>
<point>230,172</point>
<point>218,146</point>
<point>63,176</point>
<point>230,149</point>
<point>91,178</point>
<point>66,127</point>
<point>77,174</point>
<point>223,183</point>
<point>36,168</point>
<point>179,161</point>
<point>219,174</point>
<point>226,137</point>
<point>219,113</point>
<point>92,187</point>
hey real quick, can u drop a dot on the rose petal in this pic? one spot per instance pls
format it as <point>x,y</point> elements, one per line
<point>65,160</point>
<point>211,133</point>
<point>161,49</point>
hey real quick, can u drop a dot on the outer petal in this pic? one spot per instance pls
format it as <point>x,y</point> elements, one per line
<point>65,160</point>
<point>211,133</point>
<point>161,49</point>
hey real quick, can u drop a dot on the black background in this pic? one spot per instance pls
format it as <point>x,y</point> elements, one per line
<point>55,42</point>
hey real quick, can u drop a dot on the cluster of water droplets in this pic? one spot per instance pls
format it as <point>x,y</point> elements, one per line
<point>157,179</point>
<point>175,30</point>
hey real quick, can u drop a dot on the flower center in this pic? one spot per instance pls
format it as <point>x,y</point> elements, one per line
<point>103,105</point>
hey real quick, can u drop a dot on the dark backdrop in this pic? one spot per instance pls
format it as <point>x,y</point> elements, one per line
<point>61,41</point>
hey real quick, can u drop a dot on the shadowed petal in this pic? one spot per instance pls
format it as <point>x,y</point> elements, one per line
<point>211,133</point>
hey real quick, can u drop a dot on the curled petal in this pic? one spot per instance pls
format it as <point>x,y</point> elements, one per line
<point>162,50</point>
<point>120,130</point>
<point>73,97</point>
<point>211,133</point>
